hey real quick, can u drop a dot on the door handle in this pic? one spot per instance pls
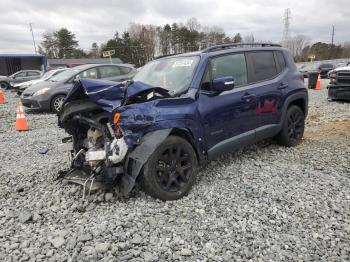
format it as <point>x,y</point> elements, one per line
<point>247,97</point>
<point>282,86</point>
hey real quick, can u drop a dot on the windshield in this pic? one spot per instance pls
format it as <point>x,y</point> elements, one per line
<point>65,75</point>
<point>173,73</point>
<point>47,75</point>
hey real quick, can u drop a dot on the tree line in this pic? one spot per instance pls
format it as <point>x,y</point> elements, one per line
<point>141,43</point>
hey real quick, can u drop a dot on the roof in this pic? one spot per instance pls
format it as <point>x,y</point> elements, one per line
<point>67,61</point>
<point>21,55</point>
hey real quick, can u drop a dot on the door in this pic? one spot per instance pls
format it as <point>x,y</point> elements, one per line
<point>266,74</point>
<point>229,118</point>
<point>20,77</point>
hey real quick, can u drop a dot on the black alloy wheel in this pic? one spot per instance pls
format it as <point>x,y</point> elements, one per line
<point>170,171</point>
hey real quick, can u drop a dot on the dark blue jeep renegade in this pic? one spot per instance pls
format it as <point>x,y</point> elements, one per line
<point>180,111</point>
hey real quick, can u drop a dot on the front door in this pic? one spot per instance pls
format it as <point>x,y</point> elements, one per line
<point>229,118</point>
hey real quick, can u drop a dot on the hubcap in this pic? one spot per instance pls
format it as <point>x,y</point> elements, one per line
<point>58,103</point>
<point>3,86</point>
<point>295,126</point>
<point>173,168</point>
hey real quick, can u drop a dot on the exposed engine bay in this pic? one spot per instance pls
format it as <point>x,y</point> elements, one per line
<point>100,148</point>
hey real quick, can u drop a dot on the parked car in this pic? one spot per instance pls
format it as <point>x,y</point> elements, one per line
<point>323,69</point>
<point>22,86</point>
<point>7,82</point>
<point>49,95</point>
<point>339,86</point>
<point>179,112</point>
<point>308,68</point>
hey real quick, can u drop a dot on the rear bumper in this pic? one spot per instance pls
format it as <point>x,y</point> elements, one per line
<point>339,92</point>
<point>37,102</point>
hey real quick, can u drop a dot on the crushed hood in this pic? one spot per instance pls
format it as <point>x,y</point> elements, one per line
<point>107,94</point>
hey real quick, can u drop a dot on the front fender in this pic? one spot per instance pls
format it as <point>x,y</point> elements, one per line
<point>139,156</point>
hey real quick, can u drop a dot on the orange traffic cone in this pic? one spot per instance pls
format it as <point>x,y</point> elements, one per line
<point>21,121</point>
<point>2,97</point>
<point>318,84</point>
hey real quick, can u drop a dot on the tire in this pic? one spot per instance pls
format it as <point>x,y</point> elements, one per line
<point>56,103</point>
<point>4,85</point>
<point>292,128</point>
<point>164,175</point>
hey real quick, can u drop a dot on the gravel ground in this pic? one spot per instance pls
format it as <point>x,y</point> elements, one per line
<point>261,203</point>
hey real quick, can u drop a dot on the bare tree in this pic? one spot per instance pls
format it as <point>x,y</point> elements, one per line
<point>249,38</point>
<point>297,43</point>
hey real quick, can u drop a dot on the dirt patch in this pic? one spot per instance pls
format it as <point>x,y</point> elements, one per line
<point>330,130</point>
<point>313,118</point>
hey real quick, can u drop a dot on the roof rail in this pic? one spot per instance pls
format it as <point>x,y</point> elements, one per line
<point>161,56</point>
<point>224,46</point>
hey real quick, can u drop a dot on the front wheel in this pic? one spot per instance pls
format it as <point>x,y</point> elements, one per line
<point>57,102</point>
<point>170,172</point>
<point>292,128</point>
<point>4,85</point>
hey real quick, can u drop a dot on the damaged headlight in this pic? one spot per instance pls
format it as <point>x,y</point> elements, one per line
<point>41,91</point>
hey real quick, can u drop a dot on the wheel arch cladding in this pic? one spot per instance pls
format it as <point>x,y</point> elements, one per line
<point>139,156</point>
<point>188,136</point>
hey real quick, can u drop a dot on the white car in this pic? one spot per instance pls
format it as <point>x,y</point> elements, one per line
<point>22,86</point>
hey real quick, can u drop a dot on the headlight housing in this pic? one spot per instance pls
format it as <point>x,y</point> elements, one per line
<point>41,91</point>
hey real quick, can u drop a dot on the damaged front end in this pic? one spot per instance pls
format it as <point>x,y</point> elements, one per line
<point>102,151</point>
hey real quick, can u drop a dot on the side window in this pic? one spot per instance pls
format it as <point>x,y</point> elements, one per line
<point>280,61</point>
<point>22,74</point>
<point>230,65</point>
<point>262,66</point>
<point>90,73</point>
<point>109,71</point>
<point>32,73</point>
<point>125,70</point>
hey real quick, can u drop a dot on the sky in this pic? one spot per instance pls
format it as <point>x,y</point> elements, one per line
<point>97,21</point>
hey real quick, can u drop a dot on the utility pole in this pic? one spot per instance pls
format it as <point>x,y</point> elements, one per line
<point>333,36</point>
<point>31,30</point>
<point>286,24</point>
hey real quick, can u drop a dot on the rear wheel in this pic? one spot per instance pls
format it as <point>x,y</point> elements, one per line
<point>293,127</point>
<point>170,171</point>
<point>57,102</point>
<point>4,85</point>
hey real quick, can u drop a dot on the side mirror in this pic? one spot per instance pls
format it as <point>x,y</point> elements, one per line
<point>223,83</point>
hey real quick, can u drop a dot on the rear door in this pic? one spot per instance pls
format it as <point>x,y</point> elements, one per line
<point>267,78</point>
<point>229,118</point>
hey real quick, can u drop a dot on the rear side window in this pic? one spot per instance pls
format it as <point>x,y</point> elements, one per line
<point>262,66</point>
<point>233,65</point>
<point>109,71</point>
<point>281,63</point>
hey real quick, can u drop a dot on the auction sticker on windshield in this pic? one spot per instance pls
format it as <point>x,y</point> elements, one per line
<point>182,63</point>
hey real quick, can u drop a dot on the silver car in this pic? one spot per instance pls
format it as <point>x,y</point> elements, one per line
<point>7,82</point>
<point>49,95</point>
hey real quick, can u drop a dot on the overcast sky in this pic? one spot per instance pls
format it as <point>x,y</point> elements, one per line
<point>97,21</point>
